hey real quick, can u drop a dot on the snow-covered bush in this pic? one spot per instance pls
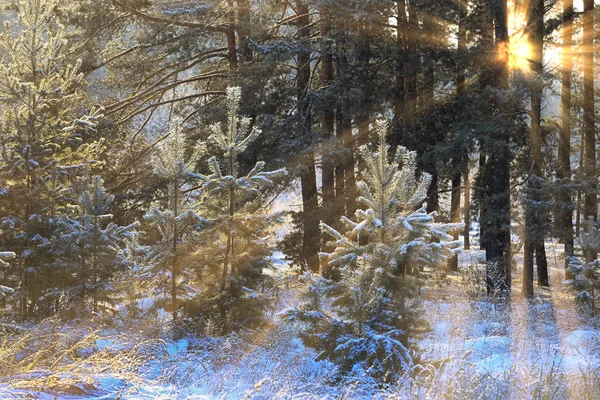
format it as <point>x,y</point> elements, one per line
<point>375,312</point>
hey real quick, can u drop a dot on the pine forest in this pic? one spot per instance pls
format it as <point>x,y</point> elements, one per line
<point>299,199</point>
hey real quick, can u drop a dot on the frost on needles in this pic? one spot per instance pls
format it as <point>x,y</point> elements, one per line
<point>215,234</point>
<point>373,318</point>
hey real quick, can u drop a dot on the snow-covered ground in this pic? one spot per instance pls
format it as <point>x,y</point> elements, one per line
<point>477,348</point>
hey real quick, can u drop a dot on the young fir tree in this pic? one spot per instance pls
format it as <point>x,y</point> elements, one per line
<point>375,310</point>
<point>40,96</point>
<point>236,206</point>
<point>178,220</point>
<point>86,249</point>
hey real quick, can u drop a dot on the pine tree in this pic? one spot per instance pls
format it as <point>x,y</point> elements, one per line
<point>41,93</point>
<point>379,260</point>
<point>178,220</point>
<point>236,207</point>
<point>86,250</point>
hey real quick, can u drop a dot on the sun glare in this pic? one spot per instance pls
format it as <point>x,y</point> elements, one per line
<point>519,47</point>
<point>519,50</point>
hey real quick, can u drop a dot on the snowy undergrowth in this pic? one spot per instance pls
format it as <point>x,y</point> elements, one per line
<point>477,348</point>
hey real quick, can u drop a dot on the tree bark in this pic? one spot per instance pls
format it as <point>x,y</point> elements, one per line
<point>308,181</point>
<point>535,218</point>
<point>497,180</point>
<point>344,127</point>
<point>400,72</point>
<point>327,122</point>
<point>243,28</point>
<point>232,57</point>
<point>467,205</point>
<point>589,163</point>
<point>455,205</point>
<point>564,217</point>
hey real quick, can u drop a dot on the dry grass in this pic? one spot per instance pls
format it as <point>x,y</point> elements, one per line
<point>70,360</point>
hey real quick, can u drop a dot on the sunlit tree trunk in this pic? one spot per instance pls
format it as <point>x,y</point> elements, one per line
<point>564,217</point>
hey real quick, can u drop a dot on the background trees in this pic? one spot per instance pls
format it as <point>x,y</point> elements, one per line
<point>463,83</point>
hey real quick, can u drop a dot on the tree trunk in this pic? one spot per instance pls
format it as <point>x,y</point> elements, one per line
<point>564,217</point>
<point>308,181</point>
<point>467,205</point>
<point>344,127</point>
<point>363,113</point>
<point>497,180</point>
<point>174,250</point>
<point>243,28</point>
<point>232,57</point>
<point>400,72</point>
<point>536,218</point>
<point>455,206</point>
<point>327,122</point>
<point>589,163</point>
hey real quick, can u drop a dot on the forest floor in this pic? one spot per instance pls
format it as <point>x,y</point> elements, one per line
<point>478,348</point>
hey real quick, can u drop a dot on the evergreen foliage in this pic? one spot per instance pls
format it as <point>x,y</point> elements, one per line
<point>178,222</point>
<point>375,312</point>
<point>43,134</point>
<point>585,271</point>
<point>86,250</point>
<point>234,294</point>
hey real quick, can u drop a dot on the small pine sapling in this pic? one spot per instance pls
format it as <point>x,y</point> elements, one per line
<point>179,220</point>
<point>374,313</point>
<point>41,131</point>
<point>86,249</point>
<point>236,206</point>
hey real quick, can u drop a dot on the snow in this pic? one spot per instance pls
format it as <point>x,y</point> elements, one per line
<point>475,345</point>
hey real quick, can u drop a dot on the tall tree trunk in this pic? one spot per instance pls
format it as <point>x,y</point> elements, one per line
<point>344,125</point>
<point>535,217</point>
<point>564,217</point>
<point>461,46</point>
<point>456,161</point>
<point>308,181</point>
<point>497,179</point>
<point>579,191</point>
<point>363,113</point>
<point>589,163</point>
<point>400,72</point>
<point>327,122</point>
<point>411,68</point>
